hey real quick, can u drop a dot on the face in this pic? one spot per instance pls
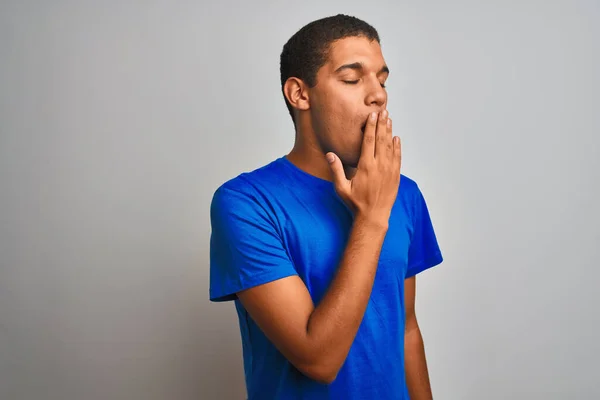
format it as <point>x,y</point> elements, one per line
<point>349,87</point>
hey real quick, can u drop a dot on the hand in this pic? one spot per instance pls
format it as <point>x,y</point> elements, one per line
<point>372,191</point>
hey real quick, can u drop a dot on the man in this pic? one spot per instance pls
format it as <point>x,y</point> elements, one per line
<point>320,248</point>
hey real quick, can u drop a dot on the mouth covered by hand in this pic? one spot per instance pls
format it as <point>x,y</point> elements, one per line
<point>365,120</point>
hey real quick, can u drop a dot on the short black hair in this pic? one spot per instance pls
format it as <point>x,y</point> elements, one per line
<point>307,50</point>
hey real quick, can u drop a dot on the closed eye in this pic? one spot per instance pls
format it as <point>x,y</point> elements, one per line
<point>356,81</point>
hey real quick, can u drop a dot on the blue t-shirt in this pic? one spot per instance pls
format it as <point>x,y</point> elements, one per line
<point>279,221</point>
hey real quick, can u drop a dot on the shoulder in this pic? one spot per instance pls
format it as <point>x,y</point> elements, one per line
<point>409,196</point>
<point>408,190</point>
<point>247,190</point>
<point>408,185</point>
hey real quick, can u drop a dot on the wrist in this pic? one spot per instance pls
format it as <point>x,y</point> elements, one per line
<point>371,222</point>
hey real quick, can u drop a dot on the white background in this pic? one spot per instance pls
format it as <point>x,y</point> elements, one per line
<point>118,120</point>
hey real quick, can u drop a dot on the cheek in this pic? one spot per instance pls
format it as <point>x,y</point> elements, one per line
<point>344,115</point>
<point>337,118</point>
<point>334,119</point>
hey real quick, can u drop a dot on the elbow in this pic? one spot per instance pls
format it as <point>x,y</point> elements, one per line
<point>322,373</point>
<point>318,364</point>
<point>324,377</point>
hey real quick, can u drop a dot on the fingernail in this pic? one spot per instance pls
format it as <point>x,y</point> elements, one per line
<point>330,158</point>
<point>384,114</point>
<point>373,116</point>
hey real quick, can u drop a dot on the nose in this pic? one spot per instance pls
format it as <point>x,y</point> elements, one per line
<point>376,95</point>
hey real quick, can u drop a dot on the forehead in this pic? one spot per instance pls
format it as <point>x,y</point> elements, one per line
<point>354,49</point>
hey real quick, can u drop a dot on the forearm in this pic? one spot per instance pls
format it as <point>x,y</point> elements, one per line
<point>333,324</point>
<point>415,365</point>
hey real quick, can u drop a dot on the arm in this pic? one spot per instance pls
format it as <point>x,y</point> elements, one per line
<point>415,364</point>
<point>316,339</point>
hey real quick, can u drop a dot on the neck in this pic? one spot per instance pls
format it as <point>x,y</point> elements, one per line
<point>309,157</point>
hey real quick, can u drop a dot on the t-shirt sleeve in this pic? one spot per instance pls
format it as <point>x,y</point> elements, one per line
<point>245,247</point>
<point>423,252</point>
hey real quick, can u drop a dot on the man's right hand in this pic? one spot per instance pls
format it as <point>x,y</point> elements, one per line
<point>317,339</point>
<point>372,191</point>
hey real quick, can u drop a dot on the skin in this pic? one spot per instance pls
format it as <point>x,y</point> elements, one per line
<point>365,169</point>
<point>330,115</point>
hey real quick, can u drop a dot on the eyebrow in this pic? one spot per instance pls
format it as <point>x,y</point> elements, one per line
<point>357,66</point>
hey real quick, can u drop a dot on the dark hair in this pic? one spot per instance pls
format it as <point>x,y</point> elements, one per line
<point>307,50</point>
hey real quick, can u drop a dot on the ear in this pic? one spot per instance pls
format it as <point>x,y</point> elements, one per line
<point>296,93</point>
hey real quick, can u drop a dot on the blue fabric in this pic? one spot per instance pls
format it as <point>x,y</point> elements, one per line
<point>279,221</point>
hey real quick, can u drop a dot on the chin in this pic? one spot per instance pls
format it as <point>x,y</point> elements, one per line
<point>353,164</point>
<point>350,161</point>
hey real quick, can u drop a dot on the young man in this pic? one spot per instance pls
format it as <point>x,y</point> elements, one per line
<point>320,248</point>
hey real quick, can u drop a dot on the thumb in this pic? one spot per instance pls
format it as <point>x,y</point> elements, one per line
<point>337,170</point>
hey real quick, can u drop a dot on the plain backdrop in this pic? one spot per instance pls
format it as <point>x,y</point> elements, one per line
<point>119,119</point>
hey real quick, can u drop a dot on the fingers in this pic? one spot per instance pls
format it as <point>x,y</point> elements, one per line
<point>337,170</point>
<point>388,146</point>
<point>368,145</point>
<point>378,138</point>
<point>389,140</point>
<point>382,138</point>
<point>397,158</point>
